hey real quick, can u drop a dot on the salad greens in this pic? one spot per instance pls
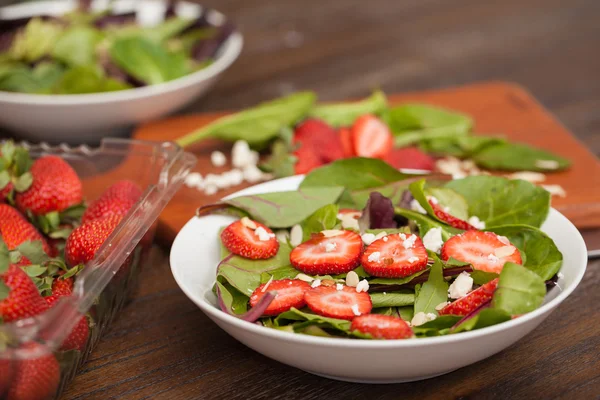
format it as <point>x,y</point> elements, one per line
<point>500,202</point>
<point>88,52</point>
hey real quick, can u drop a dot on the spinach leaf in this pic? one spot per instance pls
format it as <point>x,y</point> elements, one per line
<point>519,290</point>
<point>147,61</point>
<point>18,78</point>
<point>77,46</point>
<point>245,274</point>
<point>541,254</point>
<point>167,29</point>
<point>459,146</point>
<point>425,223</point>
<point>86,79</point>
<point>344,114</point>
<point>186,41</point>
<point>417,189</point>
<point>281,161</point>
<point>449,198</point>
<point>393,299</point>
<point>482,277</point>
<point>439,326</point>
<point>519,157</point>
<point>484,318</point>
<point>285,272</point>
<point>432,292</point>
<point>406,313</point>
<point>453,199</point>
<point>285,209</point>
<point>35,41</point>
<point>389,311</point>
<point>294,315</point>
<point>256,125</point>
<point>233,299</point>
<point>500,201</point>
<point>411,137</point>
<point>322,219</point>
<point>353,173</point>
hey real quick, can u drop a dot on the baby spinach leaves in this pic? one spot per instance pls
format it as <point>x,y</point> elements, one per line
<point>519,290</point>
<point>344,114</point>
<point>322,219</point>
<point>432,292</point>
<point>519,157</point>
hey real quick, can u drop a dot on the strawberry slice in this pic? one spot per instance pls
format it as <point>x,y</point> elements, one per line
<point>352,211</point>
<point>485,251</point>
<point>470,302</point>
<point>395,256</point>
<point>251,240</point>
<point>410,157</point>
<point>346,139</point>
<point>346,303</point>
<point>371,137</point>
<point>382,326</point>
<point>290,293</point>
<point>308,159</point>
<point>320,138</point>
<point>324,255</point>
<point>449,218</point>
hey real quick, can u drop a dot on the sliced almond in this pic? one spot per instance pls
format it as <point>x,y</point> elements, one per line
<point>296,235</point>
<point>304,277</point>
<point>547,164</point>
<point>248,223</point>
<point>328,282</point>
<point>352,279</point>
<point>504,251</point>
<point>332,232</point>
<point>529,176</point>
<point>555,190</point>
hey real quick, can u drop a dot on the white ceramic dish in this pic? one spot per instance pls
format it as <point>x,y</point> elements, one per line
<point>195,255</point>
<point>85,118</point>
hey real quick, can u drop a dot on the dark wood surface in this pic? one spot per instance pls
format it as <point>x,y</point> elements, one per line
<point>163,347</point>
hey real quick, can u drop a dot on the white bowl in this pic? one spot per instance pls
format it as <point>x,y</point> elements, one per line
<point>195,255</point>
<point>85,118</point>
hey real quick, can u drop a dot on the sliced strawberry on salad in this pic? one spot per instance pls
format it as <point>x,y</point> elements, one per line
<point>381,326</point>
<point>485,251</point>
<point>471,301</point>
<point>395,256</point>
<point>290,293</point>
<point>449,218</point>
<point>410,158</point>
<point>347,143</point>
<point>341,302</point>
<point>250,239</point>
<point>329,252</point>
<point>371,137</point>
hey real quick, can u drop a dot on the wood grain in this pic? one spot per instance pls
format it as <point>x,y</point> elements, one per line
<point>164,347</point>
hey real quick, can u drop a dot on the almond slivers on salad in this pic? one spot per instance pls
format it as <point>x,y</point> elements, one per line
<point>364,251</point>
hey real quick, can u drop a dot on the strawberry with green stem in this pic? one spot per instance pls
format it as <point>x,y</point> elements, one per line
<point>118,199</point>
<point>14,171</point>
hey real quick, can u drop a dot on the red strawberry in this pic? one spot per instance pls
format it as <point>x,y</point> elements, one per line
<point>324,255</point>
<point>83,243</point>
<point>308,159</point>
<point>395,256</point>
<point>449,218</point>
<point>318,144</point>
<point>290,293</point>
<point>55,187</point>
<point>344,304</point>
<point>470,302</point>
<point>382,326</point>
<point>410,158</point>
<point>15,229</point>
<point>347,144</point>
<point>7,367</point>
<point>35,378</point>
<point>78,337</point>
<point>344,211</point>
<point>6,191</point>
<point>485,251</point>
<point>116,200</point>
<point>246,241</point>
<point>23,298</point>
<point>371,137</point>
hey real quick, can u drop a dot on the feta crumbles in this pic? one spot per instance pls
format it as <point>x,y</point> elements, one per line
<point>433,240</point>
<point>461,286</point>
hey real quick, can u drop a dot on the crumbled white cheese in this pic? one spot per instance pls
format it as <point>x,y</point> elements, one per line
<point>493,258</point>
<point>441,305</point>
<point>262,234</point>
<point>461,286</point>
<point>374,257</point>
<point>234,177</point>
<point>209,190</point>
<point>305,278</point>
<point>332,232</point>
<point>420,318</point>
<point>413,259</point>
<point>555,190</point>
<point>385,239</point>
<point>252,174</point>
<point>315,283</point>
<point>416,206</point>
<point>355,309</point>
<point>193,180</point>
<point>350,222</point>
<point>240,154</point>
<point>218,159</point>
<point>248,223</point>
<point>547,164</point>
<point>504,251</point>
<point>368,238</point>
<point>339,286</point>
<point>433,240</point>
<point>296,235</point>
<point>476,222</point>
<point>409,243</point>
<point>264,289</point>
<point>363,286</point>
<point>529,176</point>
<point>352,279</point>
<point>330,246</point>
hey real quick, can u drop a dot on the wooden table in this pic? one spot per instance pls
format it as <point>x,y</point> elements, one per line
<point>164,347</point>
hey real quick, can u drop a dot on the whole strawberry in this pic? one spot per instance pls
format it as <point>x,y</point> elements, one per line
<point>55,187</point>
<point>15,229</point>
<point>35,378</point>
<point>116,200</point>
<point>19,297</point>
<point>83,243</point>
<point>14,170</point>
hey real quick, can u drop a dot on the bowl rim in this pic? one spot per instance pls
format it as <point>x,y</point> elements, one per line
<point>214,312</point>
<point>230,51</point>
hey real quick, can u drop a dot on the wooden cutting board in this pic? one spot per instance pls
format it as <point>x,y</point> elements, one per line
<point>497,108</point>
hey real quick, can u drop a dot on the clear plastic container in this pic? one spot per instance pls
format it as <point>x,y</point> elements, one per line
<point>106,282</point>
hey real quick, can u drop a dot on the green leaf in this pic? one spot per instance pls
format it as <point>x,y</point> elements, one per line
<point>73,213</point>
<point>4,290</point>
<point>540,252</point>
<point>233,299</point>
<point>437,327</point>
<point>34,270</point>
<point>500,201</point>
<point>424,117</point>
<point>285,209</point>
<point>72,272</point>
<point>459,146</point>
<point>186,42</point>
<point>4,179</point>
<point>22,161</point>
<point>5,260</point>
<point>87,79</point>
<point>393,299</point>
<point>285,272</point>
<point>482,277</point>
<point>77,46</point>
<point>256,125</point>
<point>35,41</point>
<point>486,317</point>
<point>18,78</point>
<point>294,315</point>
<point>167,29</point>
<point>519,290</point>
<point>449,198</point>
<point>147,61</point>
<point>33,251</point>
<point>322,219</point>
<point>519,157</point>
<point>354,173</point>
<point>432,292</point>
<point>7,152</point>
<point>410,138</point>
<point>344,114</point>
<point>406,313</point>
<point>281,161</point>
<point>23,182</point>
<point>425,223</point>
<point>245,274</point>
